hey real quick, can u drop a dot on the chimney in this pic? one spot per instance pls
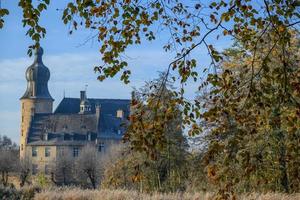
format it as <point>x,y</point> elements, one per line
<point>98,109</point>
<point>82,95</point>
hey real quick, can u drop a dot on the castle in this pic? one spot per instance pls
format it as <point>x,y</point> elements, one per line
<point>76,122</point>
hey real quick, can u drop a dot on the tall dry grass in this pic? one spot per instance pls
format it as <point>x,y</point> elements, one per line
<point>79,194</point>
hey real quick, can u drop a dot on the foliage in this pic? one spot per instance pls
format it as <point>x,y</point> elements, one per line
<point>253,116</point>
<point>163,166</point>
<point>3,12</point>
<point>119,24</point>
<point>155,119</point>
<point>42,180</point>
<point>11,193</point>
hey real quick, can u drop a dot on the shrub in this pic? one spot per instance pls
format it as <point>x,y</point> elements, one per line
<point>11,193</point>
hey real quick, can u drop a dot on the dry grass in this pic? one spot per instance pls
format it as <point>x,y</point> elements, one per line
<point>77,194</point>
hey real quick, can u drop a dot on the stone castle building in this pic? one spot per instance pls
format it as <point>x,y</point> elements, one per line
<point>76,122</point>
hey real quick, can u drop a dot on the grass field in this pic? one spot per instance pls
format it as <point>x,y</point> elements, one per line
<point>77,194</point>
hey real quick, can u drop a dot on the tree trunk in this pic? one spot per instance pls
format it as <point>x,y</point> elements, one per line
<point>280,136</point>
<point>282,162</point>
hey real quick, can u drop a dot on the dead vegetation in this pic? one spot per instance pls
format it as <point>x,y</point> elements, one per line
<point>78,194</point>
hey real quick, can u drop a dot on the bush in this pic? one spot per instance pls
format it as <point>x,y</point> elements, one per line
<point>11,193</point>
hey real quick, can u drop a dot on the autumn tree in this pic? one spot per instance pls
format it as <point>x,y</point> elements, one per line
<point>251,113</point>
<point>163,166</point>
<point>259,103</point>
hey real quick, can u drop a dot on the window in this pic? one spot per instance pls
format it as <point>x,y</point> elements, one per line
<point>120,113</point>
<point>22,118</point>
<point>47,151</point>
<point>34,151</point>
<point>34,169</point>
<point>21,147</point>
<point>119,132</point>
<point>61,151</point>
<point>75,152</point>
<point>47,169</point>
<point>101,147</point>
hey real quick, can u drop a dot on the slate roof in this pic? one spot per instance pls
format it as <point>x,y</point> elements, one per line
<point>66,120</point>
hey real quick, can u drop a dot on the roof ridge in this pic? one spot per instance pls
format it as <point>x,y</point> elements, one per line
<point>97,98</point>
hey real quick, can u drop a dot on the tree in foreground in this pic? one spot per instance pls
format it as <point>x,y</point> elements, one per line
<point>162,167</point>
<point>62,172</point>
<point>24,170</point>
<point>8,164</point>
<point>88,167</point>
<point>253,137</point>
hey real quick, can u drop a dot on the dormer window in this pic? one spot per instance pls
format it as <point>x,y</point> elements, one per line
<point>120,113</point>
<point>85,106</point>
<point>89,136</point>
<point>45,137</point>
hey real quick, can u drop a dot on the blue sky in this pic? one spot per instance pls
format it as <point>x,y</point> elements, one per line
<point>70,63</point>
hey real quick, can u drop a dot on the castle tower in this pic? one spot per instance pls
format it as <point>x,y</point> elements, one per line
<point>36,99</point>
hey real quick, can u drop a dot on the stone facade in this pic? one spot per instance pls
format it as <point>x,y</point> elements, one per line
<point>30,107</point>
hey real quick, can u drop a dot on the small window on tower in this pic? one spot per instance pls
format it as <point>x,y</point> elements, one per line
<point>21,147</point>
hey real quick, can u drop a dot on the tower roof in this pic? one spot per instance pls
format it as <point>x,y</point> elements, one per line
<point>37,76</point>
